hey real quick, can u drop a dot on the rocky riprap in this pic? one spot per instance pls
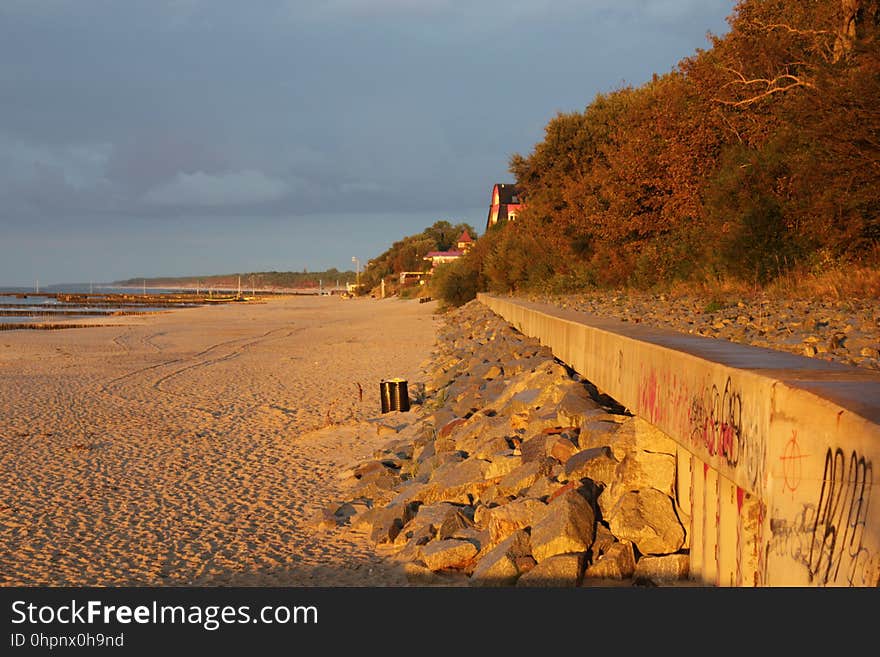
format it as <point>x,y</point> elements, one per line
<point>509,470</point>
<point>843,331</point>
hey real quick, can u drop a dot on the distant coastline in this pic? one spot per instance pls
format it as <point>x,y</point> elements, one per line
<point>263,281</point>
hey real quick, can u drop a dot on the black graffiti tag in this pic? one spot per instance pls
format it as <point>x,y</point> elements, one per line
<point>717,425</point>
<point>836,552</point>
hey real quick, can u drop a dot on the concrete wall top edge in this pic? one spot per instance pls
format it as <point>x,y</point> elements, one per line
<point>853,388</point>
<point>858,397</point>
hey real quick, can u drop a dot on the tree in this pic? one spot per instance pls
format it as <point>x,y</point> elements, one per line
<point>408,254</point>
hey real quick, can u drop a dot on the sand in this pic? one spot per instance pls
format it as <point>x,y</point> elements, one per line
<point>193,447</point>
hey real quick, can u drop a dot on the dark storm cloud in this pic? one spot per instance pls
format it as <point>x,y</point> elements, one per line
<point>149,111</point>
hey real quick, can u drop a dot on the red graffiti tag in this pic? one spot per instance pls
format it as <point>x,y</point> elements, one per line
<point>791,463</point>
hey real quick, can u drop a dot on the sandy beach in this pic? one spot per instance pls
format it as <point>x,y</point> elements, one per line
<point>193,447</point>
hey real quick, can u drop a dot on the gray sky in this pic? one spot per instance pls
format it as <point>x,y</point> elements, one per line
<point>196,137</point>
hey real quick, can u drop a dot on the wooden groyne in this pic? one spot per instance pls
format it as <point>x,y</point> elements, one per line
<point>77,313</point>
<point>776,451</point>
<point>97,305</point>
<point>46,326</point>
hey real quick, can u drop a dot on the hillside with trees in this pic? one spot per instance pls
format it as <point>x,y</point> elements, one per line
<point>753,159</point>
<point>408,254</point>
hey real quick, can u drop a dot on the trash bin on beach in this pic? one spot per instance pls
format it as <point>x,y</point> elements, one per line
<point>394,395</point>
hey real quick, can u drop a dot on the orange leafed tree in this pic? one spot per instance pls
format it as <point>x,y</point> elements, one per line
<point>760,152</point>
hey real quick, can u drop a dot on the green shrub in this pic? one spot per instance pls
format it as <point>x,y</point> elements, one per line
<point>455,283</point>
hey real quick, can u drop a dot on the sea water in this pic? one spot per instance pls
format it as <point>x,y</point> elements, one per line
<point>28,306</point>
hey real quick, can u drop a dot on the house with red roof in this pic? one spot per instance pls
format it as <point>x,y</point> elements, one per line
<point>464,242</point>
<point>505,204</point>
<point>462,245</point>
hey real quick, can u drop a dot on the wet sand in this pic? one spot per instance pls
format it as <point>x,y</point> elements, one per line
<point>193,447</point>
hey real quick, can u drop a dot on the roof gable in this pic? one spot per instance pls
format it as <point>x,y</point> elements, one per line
<point>506,193</point>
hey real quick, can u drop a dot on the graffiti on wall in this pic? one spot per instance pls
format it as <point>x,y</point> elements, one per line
<point>826,537</point>
<point>750,556</point>
<point>791,536</point>
<point>836,554</point>
<point>712,420</point>
<point>792,459</point>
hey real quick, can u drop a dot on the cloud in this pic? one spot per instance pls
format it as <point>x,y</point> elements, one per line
<point>213,190</point>
<point>81,164</point>
<point>143,161</point>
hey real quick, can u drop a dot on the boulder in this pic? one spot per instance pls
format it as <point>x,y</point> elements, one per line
<point>454,524</point>
<point>431,464</point>
<point>543,489</point>
<point>493,372</point>
<point>504,520</point>
<point>379,491</point>
<point>534,420</point>
<point>456,482</point>
<point>617,561</point>
<point>603,541</point>
<point>323,520</point>
<point>409,491</point>
<point>479,537</point>
<point>647,518</point>
<point>382,524</point>
<point>598,431</point>
<point>597,464</point>
<point>561,447</point>
<point>503,564</point>
<point>575,405</point>
<point>666,569</point>
<point>501,465</point>
<point>524,476</point>
<point>523,401</point>
<point>534,448</point>
<point>640,434</point>
<point>560,570</point>
<point>478,429</point>
<point>418,574</point>
<point>427,521</point>
<point>489,448</point>
<point>448,553</point>
<point>640,470</point>
<point>567,525</point>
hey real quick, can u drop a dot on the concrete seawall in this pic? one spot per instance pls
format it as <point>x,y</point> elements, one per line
<point>776,450</point>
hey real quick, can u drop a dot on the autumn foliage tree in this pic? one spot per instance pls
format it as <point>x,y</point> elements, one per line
<point>755,155</point>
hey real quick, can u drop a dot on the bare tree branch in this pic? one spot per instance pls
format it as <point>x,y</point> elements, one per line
<point>793,30</point>
<point>823,41</point>
<point>769,92</point>
<point>779,84</point>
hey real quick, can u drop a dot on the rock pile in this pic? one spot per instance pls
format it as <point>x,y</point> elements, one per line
<point>510,470</point>
<point>842,331</point>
